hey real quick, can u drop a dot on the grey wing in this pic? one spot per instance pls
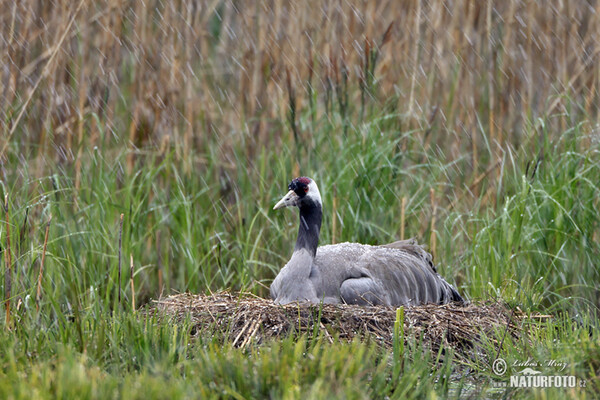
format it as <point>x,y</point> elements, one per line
<point>363,291</point>
<point>401,273</point>
<point>397,277</point>
<point>411,246</point>
<point>445,291</point>
<point>374,275</point>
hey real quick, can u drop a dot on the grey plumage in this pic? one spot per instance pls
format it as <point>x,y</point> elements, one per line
<point>399,273</point>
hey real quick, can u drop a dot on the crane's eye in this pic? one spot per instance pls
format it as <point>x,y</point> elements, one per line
<point>306,189</point>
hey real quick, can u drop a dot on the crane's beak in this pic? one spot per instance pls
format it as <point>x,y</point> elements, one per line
<point>290,199</point>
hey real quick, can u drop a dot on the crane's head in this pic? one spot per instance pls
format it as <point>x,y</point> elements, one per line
<point>302,191</point>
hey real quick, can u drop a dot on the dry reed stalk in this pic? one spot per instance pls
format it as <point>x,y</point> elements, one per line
<point>83,87</point>
<point>112,47</point>
<point>257,323</point>
<point>437,63</point>
<point>334,215</point>
<point>9,87</point>
<point>57,47</point>
<point>364,77</point>
<point>8,264</point>
<point>188,105</point>
<point>415,57</point>
<point>591,94</point>
<point>507,41</point>
<point>292,112</point>
<point>309,83</point>
<point>38,296</point>
<point>529,60</point>
<point>490,71</point>
<point>433,237</point>
<point>133,126</point>
<point>402,217</point>
<point>474,133</point>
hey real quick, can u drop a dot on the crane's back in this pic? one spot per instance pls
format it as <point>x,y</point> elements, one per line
<point>400,273</point>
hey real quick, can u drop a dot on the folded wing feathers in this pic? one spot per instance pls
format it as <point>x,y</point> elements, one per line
<point>398,273</point>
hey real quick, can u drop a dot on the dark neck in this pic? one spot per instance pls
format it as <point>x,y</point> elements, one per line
<point>310,226</point>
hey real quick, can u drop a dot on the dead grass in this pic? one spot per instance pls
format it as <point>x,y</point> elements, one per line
<point>244,319</point>
<point>191,72</point>
<point>187,77</point>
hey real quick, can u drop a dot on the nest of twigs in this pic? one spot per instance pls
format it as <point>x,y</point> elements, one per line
<point>245,319</point>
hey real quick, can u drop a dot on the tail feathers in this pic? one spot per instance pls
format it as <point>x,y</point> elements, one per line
<point>411,246</point>
<point>451,295</point>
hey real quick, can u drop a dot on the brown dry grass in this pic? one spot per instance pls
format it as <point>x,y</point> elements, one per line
<point>180,74</point>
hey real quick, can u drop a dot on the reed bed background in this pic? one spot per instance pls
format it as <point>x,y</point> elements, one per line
<point>143,145</point>
<point>180,75</point>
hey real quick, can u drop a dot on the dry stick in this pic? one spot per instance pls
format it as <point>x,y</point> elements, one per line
<point>512,313</point>
<point>327,335</point>
<point>432,240</point>
<point>252,331</point>
<point>37,83</point>
<point>474,158</point>
<point>529,59</point>
<point>402,216</point>
<point>415,59</point>
<point>120,246</point>
<point>334,216</point>
<point>132,285</point>
<point>241,333</point>
<point>292,108</point>
<point>188,105</point>
<point>8,259</point>
<point>490,77</point>
<point>39,287</point>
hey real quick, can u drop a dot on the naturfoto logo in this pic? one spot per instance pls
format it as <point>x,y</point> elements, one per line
<point>530,376</point>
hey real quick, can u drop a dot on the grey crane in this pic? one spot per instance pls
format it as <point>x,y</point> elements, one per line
<point>395,274</point>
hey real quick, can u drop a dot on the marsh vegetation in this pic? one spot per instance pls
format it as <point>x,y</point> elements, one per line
<point>472,126</point>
